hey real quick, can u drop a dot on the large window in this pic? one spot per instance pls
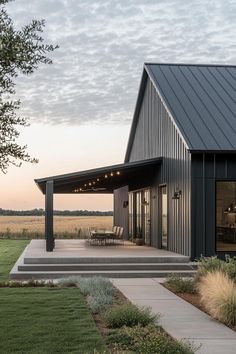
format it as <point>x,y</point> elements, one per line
<point>226,216</point>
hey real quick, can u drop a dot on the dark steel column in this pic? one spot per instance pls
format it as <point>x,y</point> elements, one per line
<point>49,216</point>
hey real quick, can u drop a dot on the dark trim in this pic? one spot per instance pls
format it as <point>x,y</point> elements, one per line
<point>49,216</point>
<point>191,64</point>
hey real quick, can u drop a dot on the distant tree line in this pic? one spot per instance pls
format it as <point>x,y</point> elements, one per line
<point>41,212</point>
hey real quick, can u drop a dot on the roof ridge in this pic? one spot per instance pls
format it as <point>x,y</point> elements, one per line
<point>191,64</point>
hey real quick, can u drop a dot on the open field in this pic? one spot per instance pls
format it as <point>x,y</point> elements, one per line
<point>73,226</point>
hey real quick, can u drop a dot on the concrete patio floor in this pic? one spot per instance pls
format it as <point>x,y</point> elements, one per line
<point>179,318</point>
<point>80,248</point>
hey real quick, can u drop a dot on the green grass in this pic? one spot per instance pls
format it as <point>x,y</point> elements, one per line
<point>10,250</point>
<point>44,320</point>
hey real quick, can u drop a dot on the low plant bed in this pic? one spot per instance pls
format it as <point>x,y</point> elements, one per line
<point>125,327</point>
<point>208,293</point>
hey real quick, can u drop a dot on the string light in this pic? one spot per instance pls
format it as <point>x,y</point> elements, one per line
<point>118,172</point>
<point>106,176</point>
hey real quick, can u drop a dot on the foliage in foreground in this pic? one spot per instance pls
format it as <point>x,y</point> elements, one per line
<point>129,315</point>
<point>21,51</point>
<point>212,264</point>
<point>99,292</point>
<point>147,340</point>
<point>177,284</point>
<point>218,294</point>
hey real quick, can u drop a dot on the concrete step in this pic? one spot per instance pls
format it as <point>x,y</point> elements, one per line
<point>20,275</point>
<point>106,266</point>
<point>103,260</point>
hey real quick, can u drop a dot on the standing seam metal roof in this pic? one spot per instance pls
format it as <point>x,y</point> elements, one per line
<point>202,102</point>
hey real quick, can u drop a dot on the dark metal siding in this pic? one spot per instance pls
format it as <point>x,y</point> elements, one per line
<point>202,101</point>
<point>156,135</point>
<point>121,214</point>
<point>206,170</point>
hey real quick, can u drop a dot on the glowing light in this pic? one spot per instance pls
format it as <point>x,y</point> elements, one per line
<point>85,185</point>
<point>118,172</point>
<point>93,182</point>
<point>90,183</point>
<point>112,174</point>
<point>106,176</point>
<point>98,179</point>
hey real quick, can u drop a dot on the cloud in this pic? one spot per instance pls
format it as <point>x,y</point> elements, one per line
<point>103,45</point>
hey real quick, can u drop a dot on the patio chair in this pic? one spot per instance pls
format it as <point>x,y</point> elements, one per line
<point>119,234</point>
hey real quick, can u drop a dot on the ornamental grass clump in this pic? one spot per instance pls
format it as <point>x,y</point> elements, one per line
<point>218,294</point>
<point>129,315</point>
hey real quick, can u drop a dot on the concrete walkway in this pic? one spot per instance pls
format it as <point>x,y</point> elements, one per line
<point>179,318</point>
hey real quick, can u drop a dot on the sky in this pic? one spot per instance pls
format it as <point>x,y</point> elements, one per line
<point>81,107</point>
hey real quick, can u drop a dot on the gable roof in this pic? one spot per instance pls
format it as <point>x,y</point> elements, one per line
<point>201,100</point>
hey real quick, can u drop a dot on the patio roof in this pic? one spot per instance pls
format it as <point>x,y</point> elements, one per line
<point>103,179</point>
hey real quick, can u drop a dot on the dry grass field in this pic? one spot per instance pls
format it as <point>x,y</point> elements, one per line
<point>63,225</point>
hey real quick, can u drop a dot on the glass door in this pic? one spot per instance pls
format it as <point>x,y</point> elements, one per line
<point>163,217</point>
<point>140,219</point>
<point>138,214</point>
<point>146,216</point>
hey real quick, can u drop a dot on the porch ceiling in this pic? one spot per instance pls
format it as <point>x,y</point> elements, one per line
<point>104,179</point>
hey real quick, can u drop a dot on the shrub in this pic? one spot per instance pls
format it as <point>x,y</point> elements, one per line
<point>148,340</point>
<point>98,303</point>
<point>212,264</point>
<point>218,294</point>
<point>99,291</point>
<point>129,315</point>
<point>96,286</point>
<point>68,282</point>
<point>180,285</point>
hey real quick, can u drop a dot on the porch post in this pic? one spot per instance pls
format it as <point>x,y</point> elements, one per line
<point>49,216</point>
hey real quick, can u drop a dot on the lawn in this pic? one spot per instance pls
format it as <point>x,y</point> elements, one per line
<point>46,320</point>
<point>43,320</point>
<point>10,250</point>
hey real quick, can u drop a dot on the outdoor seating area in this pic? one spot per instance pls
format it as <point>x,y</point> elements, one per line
<point>103,237</point>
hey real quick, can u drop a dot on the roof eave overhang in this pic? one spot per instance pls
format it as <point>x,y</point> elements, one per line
<point>117,176</point>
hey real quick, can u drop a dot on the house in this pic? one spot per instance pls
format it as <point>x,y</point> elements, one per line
<point>177,186</point>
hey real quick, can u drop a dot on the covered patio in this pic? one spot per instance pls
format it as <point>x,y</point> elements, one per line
<point>77,258</point>
<point>133,175</point>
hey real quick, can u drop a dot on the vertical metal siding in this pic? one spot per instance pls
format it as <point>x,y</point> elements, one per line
<point>156,136</point>
<point>207,168</point>
<point>121,214</point>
